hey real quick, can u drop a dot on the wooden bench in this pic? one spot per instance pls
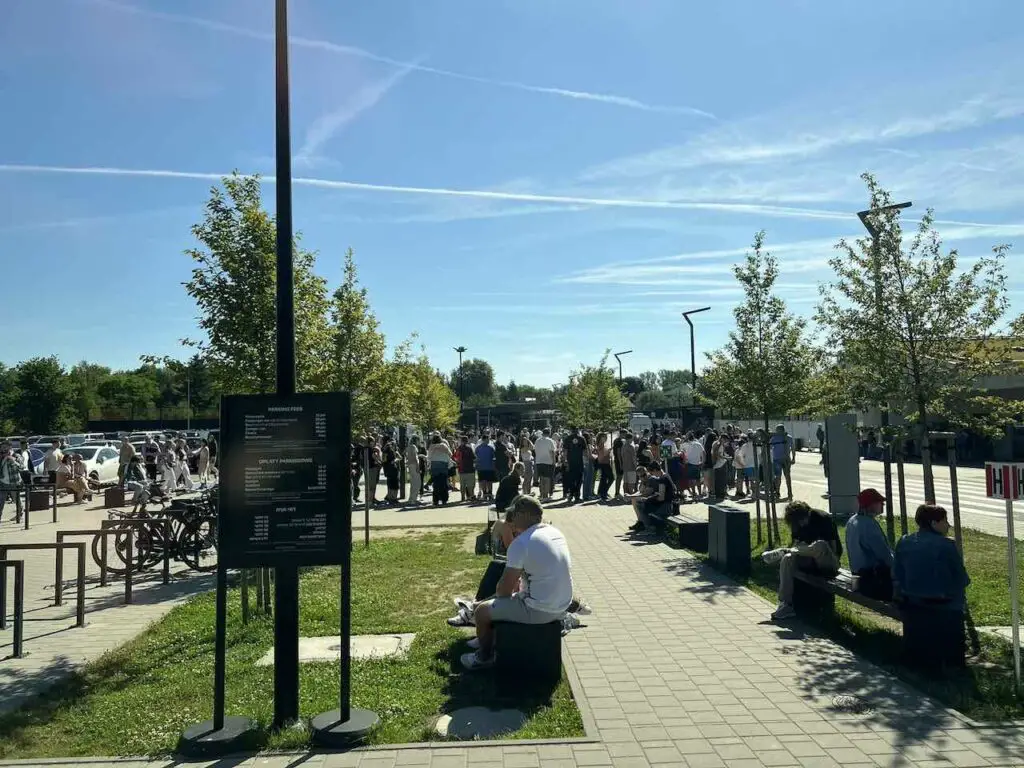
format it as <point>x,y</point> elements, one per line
<point>687,532</point>
<point>841,585</point>
<point>528,653</point>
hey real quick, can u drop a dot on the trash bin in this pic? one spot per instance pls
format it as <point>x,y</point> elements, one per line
<point>729,538</point>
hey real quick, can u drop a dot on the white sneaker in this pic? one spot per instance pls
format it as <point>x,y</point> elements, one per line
<point>473,643</point>
<point>472,661</point>
<point>784,611</point>
<point>570,621</point>
<point>584,609</point>
<point>772,556</point>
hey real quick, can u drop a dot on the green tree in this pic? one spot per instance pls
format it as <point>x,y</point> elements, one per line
<point>8,397</point>
<point>43,398</point>
<point>85,379</point>
<point>592,397</point>
<point>477,382</point>
<point>359,359</point>
<point>632,385</point>
<point>917,329</point>
<point>130,392</point>
<point>234,287</point>
<point>649,379</point>
<point>764,367</point>
<point>434,404</point>
<point>512,392</point>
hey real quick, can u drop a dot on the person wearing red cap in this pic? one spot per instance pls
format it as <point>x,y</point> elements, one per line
<point>868,549</point>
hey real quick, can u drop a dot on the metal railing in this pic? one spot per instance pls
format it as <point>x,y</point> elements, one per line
<point>19,603</point>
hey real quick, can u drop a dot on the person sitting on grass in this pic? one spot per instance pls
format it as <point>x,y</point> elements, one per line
<point>816,549</point>
<point>536,587</point>
<point>868,549</point>
<point>929,582</point>
<point>655,505</point>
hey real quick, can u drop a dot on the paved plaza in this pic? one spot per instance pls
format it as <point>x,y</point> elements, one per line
<point>677,666</point>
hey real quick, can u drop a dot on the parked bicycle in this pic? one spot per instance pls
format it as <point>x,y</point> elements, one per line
<point>191,538</point>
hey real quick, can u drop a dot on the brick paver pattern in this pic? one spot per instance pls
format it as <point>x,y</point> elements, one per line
<point>678,666</point>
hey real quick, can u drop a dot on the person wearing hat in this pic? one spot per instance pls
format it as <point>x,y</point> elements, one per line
<point>868,549</point>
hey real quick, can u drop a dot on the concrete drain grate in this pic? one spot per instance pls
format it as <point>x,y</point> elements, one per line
<point>851,705</point>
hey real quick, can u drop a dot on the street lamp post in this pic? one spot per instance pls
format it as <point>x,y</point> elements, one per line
<point>619,359</point>
<point>693,354</point>
<point>866,219</point>
<point>462,380</point>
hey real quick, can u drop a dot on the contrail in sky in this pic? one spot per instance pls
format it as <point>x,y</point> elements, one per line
<point>487,194</point>
<point>349,50</point>
<point>481,194</point>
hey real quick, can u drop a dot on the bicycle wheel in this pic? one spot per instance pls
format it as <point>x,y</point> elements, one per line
<point>197,545</point>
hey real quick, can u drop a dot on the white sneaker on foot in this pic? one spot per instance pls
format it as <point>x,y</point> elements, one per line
<point>472,661</point>
<point>584,609</point>
<point>473,643</point>
<point>772,556</point>
<point>784,611</point>
<point>570,621</point>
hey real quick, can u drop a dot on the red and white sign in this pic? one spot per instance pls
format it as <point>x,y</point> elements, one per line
<point>1004,481</point>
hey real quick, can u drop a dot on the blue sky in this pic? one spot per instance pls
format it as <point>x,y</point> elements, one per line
<point>535,180</point>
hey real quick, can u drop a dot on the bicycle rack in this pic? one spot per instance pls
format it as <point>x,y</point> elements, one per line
<point>130,552</point>
<point>59,580</point>
<point>164,522</point>
<point>19,603</point>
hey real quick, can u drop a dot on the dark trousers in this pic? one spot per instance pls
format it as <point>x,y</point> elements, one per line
<point>604,482</point>
<point>933,637</point>
<point>489,581</point>
<point>574,482</point>
<point>875,583</point>
<point>440,487</point>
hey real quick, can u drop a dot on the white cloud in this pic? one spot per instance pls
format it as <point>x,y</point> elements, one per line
<point>349,50</point>
<point>327,126</point>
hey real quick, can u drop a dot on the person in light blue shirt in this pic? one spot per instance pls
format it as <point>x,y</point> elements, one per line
<point>783,456</point>
<point>868,549</point>
<point>930,582</point>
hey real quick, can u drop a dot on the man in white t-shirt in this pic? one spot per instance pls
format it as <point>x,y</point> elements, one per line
<point>694,450</point>
<point>536,587</point>
<point>544,451</point>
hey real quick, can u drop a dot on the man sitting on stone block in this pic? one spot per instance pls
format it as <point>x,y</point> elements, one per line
<point>536,587</point>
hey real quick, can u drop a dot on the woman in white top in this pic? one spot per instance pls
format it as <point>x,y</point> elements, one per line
<point>743,461</point>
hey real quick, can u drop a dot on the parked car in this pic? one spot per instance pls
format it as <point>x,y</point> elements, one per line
<point>100,462</point>
<point>83,437</point>
<point>46,439</point>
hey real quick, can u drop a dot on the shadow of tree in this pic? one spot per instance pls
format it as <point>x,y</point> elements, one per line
<point>877,694</point>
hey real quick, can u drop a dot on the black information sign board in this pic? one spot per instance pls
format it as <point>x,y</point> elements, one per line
<point>285,482</point>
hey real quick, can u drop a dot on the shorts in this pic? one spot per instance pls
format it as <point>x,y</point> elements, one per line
<point>693,471</point>
<point>629,478</point>
<point>748,471</point>
<point>546,471</point>
<point>486,475</point>
<point>778,464</point>
<point>516,610</point>
<point>467,481</point>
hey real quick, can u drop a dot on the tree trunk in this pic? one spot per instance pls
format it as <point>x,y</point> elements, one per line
<point>926,452</point>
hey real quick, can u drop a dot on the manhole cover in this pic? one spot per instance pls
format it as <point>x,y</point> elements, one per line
<point>853,705</point>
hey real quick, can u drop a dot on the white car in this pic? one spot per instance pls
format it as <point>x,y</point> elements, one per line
<point>100,462</point>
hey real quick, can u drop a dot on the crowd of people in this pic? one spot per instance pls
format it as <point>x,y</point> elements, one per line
<point>159,466</point>
<point>702,464</point>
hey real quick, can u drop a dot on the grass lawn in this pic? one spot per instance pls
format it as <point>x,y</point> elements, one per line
<point>985,690</point>
<point>137,700</point>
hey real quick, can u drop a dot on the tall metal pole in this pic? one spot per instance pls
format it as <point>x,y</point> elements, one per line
<point>693,350</point>
<point>188,401</point>
<point>876,255</point>
<point>1011,550</point>
<point>286,582</point>
<point>618,357</point>
<point>462,381</point>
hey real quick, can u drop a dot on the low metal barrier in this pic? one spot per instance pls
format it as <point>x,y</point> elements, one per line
<point>19,604</point>
<point>59,583</point>
<point>163,522</point>
<point>52,487</point>
<point>129,553</point>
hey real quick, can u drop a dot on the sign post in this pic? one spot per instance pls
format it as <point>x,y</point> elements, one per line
<point>1006,481</point>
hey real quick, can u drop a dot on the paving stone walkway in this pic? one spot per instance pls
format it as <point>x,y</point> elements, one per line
<point>679,667</point>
